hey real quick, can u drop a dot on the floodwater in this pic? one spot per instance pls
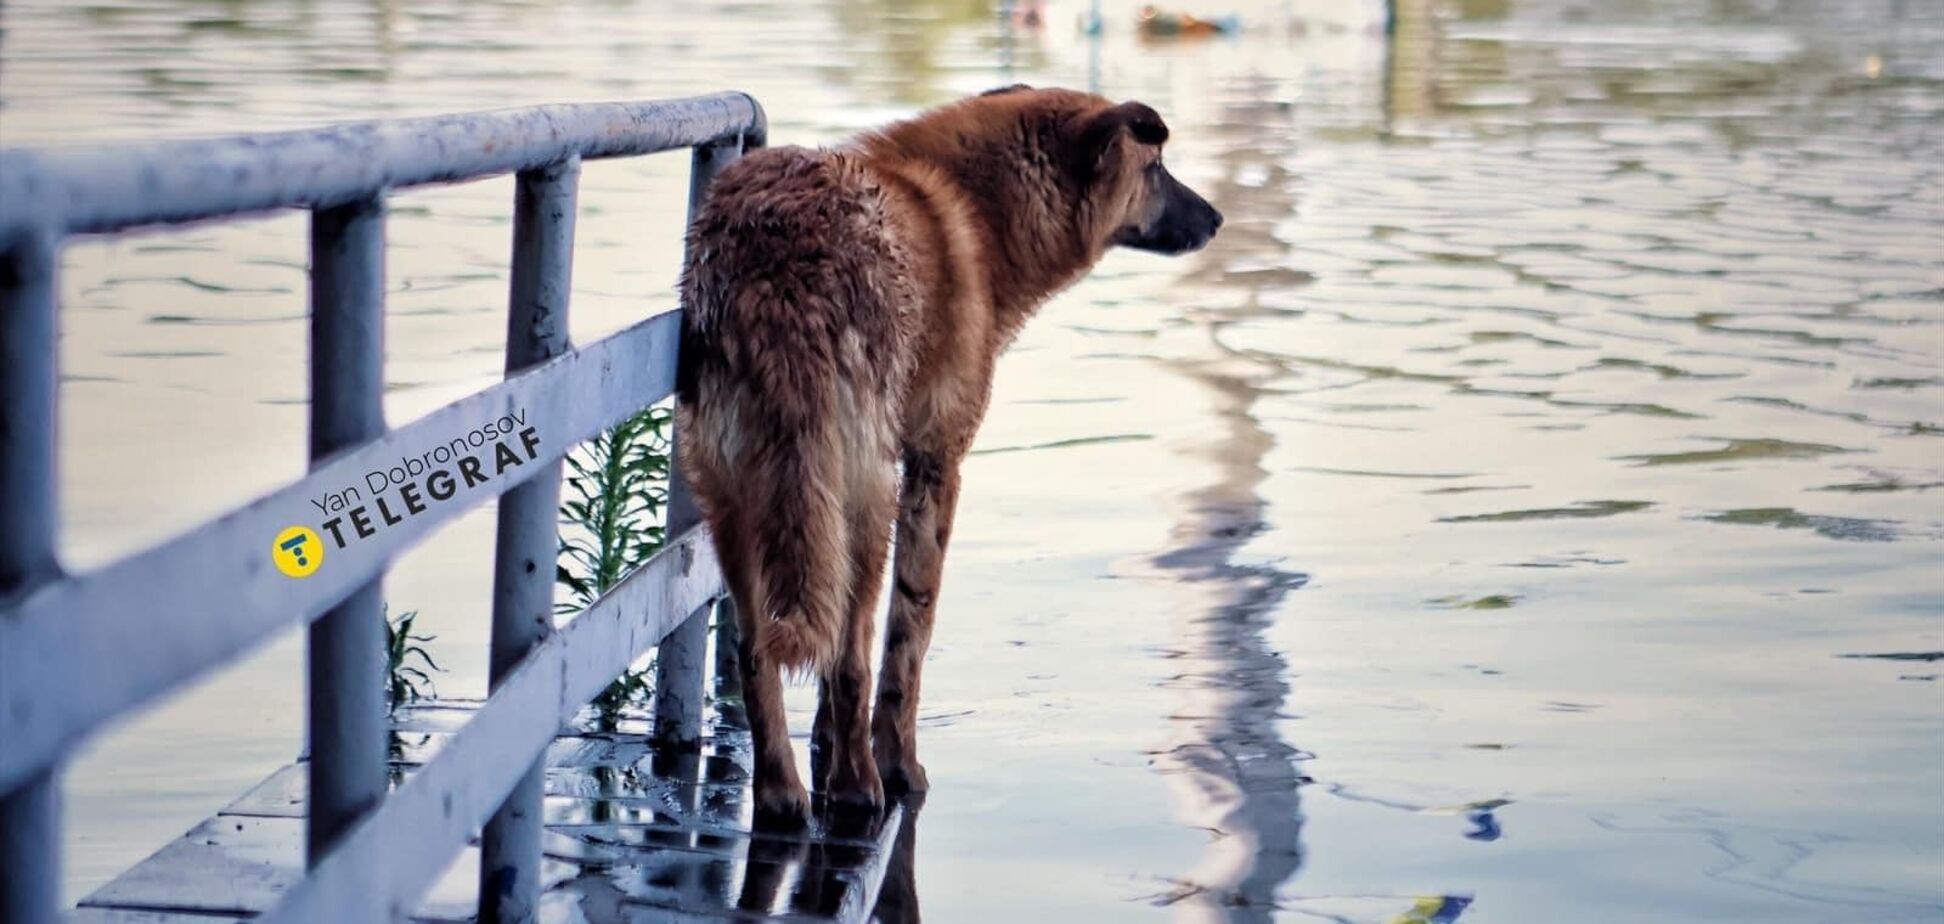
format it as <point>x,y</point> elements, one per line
<point>1528,509</point>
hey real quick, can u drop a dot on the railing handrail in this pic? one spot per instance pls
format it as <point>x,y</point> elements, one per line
<point>95,188</point>
<point>214,587</point>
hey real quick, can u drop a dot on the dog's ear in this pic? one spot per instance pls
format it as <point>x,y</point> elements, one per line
<point>1098,132</point>
<point>995,91</point>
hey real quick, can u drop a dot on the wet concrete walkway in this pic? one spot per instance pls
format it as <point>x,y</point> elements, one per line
<point>633,834</point>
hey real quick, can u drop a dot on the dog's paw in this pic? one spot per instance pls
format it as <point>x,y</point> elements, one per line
<point>857,792</point>
<point>904,778</point>
<point>782,808</point>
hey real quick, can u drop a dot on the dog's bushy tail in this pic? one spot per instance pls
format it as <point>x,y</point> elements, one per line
<point>796,527</point>
<point>763,448</point>
<point>784,334</point>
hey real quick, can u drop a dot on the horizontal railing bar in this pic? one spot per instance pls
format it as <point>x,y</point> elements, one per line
<point>147,624</point>
<point>384,864</point>
<point>100,188</point>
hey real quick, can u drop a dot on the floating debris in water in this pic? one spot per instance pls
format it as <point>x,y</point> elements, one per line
<point>1158,23</point>
<point>1435,909</point>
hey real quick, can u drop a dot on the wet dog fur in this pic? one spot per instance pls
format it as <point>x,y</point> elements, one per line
<point>843,311</point>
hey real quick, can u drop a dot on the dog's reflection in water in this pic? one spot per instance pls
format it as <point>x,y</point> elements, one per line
<point>791,874</point>
<point>898,898</point>
<point>770,863</point>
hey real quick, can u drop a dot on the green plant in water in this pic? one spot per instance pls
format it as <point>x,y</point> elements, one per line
<point>405,682</point>
<point>617,486</point>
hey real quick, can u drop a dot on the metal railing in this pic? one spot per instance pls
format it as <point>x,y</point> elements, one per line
<point>150,623</point>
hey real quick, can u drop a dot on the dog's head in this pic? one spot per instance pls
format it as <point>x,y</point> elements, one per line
<point>1115,153</point>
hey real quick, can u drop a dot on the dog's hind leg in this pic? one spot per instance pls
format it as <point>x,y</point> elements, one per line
<point>779,795</point>
<point>853,782</point>
<point>925,509</point>
<point>793,538</point>
<point>781,802</point>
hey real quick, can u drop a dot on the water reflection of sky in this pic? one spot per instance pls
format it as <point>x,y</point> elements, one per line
<point>1583,358</point>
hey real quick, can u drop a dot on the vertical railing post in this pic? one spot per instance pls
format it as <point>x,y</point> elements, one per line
<point>728,673</point>
<point>30,814</point>
<point>679,659</point>
<point>529,517</point>
<point>347,645</point>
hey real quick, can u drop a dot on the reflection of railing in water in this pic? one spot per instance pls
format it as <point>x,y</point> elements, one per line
<point>149,624</point>
<point>1238,776</point>
<point>1242,778</point>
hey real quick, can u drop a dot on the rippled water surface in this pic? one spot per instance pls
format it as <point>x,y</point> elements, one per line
<point>1528,509</point>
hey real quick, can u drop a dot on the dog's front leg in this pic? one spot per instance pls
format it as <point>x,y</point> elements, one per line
<point>925,509</point>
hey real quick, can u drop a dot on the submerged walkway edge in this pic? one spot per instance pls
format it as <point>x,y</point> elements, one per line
<point>633,833</point>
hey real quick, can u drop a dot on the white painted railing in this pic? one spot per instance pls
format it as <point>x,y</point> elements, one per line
<point>148,624</point>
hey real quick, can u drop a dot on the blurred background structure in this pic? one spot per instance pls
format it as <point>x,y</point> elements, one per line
<point>1528,509</point>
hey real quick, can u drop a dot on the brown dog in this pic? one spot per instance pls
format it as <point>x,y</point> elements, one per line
<point>843,312</point>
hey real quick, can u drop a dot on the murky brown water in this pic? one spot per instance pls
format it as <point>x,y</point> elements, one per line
<point>1495,512</point>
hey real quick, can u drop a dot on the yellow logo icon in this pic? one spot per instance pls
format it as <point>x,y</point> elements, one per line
<point>297,551</point>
